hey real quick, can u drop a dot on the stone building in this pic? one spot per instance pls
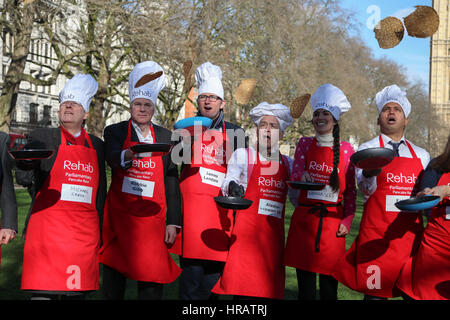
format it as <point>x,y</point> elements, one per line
<point>36,106</point>
<point>440,70</point>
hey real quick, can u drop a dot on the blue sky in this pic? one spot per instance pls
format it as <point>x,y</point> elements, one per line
<point>412,53</point>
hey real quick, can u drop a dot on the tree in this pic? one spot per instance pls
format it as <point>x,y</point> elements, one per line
<point>17,20</point>
<point>23,22</point>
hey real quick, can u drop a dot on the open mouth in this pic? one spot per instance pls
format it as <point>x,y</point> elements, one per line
<point>391,120</point>
<point>321,123</point>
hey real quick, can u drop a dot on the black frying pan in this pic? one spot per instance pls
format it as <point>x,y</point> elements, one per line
<point>306,185</point>
<point>151,147</point>
<point>31,154</point>
<point>234,203</point>
<point>372,158</point>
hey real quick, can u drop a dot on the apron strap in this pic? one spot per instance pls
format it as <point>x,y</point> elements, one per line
<point>250,165</point>
<point>413,153</point>
<point>411,149</point>
<point>152,132</point>
<point>88,139</point>
<point>322,208</point>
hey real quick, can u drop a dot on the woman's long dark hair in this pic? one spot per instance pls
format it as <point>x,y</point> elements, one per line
<point>442,162</point>
<point>334,177</point>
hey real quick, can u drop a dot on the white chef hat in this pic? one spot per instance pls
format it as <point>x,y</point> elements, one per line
<point>80,89</point>
<point>330,98</point>
<point>209,79</point>
<point>393,94</point>
<point>281,112</point>
<point>149,90</point>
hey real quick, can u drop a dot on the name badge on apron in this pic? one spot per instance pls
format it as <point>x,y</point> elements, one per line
<point>138,187</point>
<point>391,200</point>
<point>326,194</point>
<point>212,177</point>
<point>270,208</point>
<point>447,213</point>
<point>76,193</point>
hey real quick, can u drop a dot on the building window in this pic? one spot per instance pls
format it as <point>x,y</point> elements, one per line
<point>37,50</point>
<point>8,42</point>
<point>46,119</point>
<point>33,113</point>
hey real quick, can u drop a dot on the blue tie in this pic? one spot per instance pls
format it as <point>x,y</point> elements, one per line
<point>395,146</point>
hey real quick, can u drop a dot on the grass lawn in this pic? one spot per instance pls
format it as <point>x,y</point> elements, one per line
<point>11,262</point>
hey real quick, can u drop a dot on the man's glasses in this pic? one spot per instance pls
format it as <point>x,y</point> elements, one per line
<point>211,98</point>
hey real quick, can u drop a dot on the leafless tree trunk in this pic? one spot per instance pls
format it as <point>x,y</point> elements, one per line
<point>17,21</point>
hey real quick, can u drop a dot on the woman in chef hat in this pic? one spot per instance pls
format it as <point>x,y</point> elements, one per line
<point>322,218</point>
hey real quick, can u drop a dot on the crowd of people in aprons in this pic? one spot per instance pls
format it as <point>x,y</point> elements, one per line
<point>157,207</point>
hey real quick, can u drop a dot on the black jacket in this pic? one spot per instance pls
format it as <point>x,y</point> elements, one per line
<point>50,138</point>
<point>8,204</point>
<point>115,136</point>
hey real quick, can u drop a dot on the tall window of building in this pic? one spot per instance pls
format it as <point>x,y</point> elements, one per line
<point>37,50</point>
<point>46,119</point>
<point>33,113</point>
<point>8,42</point>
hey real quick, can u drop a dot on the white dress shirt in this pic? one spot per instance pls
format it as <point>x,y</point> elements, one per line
<point>146,139</point>
<point>369,185</point>
<point>142,139</point>
<point>238,166</point>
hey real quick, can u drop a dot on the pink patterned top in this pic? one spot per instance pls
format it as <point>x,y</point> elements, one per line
<point>299,168</point>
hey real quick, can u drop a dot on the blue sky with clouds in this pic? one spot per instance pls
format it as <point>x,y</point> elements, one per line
<point>412,53</point>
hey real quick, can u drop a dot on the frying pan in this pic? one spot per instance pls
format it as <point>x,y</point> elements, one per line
<point>31,154</point>
<point>372,158</point>
<point>151,147</point>
<point>417,204</point>
<point>234,203</point>
<point>189,122</point>
<point>305,185</point>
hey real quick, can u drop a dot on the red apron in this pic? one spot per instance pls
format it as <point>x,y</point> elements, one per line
<point>135,221</point>
<point>254,266</point>
<point>63,235</point>
<point>387,237</point>
<point>427,275</point>
<point>312,243</point>
<point>206,226</point>
<point>0,228</point>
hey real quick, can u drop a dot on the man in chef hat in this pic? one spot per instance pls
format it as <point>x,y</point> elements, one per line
<point>143,206</point>
<point>384,228</point>
<point>203,252</point>
<point>63,260</point>
<point>271,121</point>
<point>269,133</point>
<point>210,99</point>
<point>254,266</point>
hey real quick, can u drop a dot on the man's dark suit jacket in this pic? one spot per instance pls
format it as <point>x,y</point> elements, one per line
<point>115,136</point>
<point>8,204</point>
<point>50,138</point>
